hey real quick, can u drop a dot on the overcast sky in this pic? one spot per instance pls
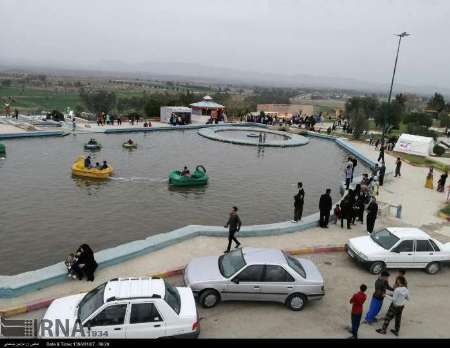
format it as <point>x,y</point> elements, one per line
<point>336,38</point>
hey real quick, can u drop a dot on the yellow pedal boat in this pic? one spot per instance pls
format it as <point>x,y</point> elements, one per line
<point>79,169</point>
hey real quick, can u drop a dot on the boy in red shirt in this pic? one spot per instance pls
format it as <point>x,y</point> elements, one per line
<point>357,301</point>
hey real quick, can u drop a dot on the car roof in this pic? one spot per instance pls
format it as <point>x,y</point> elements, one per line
<point>263,256</point>
<point>408,232</point>
<point>129,288</point>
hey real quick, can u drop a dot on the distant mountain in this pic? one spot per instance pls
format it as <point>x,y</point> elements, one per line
<point>209,74</point>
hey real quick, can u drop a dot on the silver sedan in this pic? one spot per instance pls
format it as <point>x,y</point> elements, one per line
<point>254,274</point>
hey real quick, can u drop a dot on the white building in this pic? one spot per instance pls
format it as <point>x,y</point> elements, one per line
<point>166,112</point>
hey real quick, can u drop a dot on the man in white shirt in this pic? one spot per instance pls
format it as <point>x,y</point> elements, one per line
<point>399,298</point>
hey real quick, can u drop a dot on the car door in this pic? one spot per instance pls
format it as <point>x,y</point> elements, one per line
<point>246,285</point>
<point>145,321</point>
<point>424,253</point>
<point>277,284</point>
<point>109,322</point>
<point>401,255</point>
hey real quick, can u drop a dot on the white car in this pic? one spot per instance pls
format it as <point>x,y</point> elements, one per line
<point>124,308</point>
<point>396,247</point>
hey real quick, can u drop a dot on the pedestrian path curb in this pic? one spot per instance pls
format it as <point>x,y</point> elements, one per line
<point>43,303</point>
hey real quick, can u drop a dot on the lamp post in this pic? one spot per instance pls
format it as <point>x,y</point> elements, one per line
<point>400,37</point>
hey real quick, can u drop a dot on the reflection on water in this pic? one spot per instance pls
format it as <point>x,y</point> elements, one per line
<point>46,213</point>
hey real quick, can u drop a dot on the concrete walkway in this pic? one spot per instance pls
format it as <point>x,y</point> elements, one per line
<point>420,205</point>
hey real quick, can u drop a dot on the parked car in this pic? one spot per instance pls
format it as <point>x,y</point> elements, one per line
<point>253,274</point>
<point>396,247</point>
<point>128,308</point>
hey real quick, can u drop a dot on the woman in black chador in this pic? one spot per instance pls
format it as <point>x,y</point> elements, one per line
<point>84,263</point>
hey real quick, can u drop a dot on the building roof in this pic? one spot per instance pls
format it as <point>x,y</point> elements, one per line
<point>134,287</point>
<point>207,102</point>
<point>408,232</point>
<point>263,256</point>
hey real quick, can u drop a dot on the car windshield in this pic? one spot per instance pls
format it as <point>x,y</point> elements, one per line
<point>172,297</point>
<point>230,263</point>
<point>295,265</point>
<point>91,302</point>
<point>385,239</point>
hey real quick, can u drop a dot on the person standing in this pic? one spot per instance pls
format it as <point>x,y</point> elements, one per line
<point>381,156</point>
<point>354,164</point>
<point>376,303</point>
<point>398,165</point>
<point>346,211</point>
<point>234,223</point>
<point>348,176</point>
<point>399,299</point>
<point>299,200</point>
<point>325,205</point>
<point>381,174</point>
<point>357,302</point>
<point>441,182</point>
<point>74,124</point>
<point>429,179</point>
<point>372,211</point>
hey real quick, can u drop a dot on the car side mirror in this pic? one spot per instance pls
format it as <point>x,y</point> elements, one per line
<point>235,280</point>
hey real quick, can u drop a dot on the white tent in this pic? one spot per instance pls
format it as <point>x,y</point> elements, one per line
<point>167,111</point>
<point>415,145</point>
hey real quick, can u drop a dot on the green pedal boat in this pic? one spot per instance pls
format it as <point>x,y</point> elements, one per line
<point>198,178</point>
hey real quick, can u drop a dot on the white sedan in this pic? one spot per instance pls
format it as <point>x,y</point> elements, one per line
<point>124,308</point>
<point>396,247</point>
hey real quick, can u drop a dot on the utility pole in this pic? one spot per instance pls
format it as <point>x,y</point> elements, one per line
<point>385,123</point>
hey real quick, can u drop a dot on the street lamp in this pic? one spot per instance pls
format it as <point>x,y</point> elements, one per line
<point>400,37</point>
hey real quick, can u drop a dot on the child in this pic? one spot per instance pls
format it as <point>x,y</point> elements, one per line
<point>70,261</point>
<point>337,213</point>
<point>357,302</point>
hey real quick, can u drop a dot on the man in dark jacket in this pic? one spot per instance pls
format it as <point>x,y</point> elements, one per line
<point>234,223</point>
<point>372,211</point>
<point>325,205</point>
<point>381,174</point>
<point>381,285</point>
<point>299,199</point>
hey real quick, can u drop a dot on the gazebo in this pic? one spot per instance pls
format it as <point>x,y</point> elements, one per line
<point>207,107</point>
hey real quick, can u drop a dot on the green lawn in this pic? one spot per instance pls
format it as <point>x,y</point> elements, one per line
<point>446,210</point>
<point>28,99</point>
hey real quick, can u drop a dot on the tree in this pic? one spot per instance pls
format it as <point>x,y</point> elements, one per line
<point>436,102</point>
<point>98,101</point>
<point>357,110</point>
<point>391,113</point>
<point>444,119</point>
<point>419,123</point>
<point>6,83</point>
<point>78,110</point>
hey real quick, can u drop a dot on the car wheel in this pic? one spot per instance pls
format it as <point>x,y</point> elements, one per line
<point>433,267</point>
<point>296,302</point>
<point>209,298</point>
<point>376,267</point>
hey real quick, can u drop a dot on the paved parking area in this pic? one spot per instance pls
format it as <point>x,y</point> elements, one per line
<point>426,315</point>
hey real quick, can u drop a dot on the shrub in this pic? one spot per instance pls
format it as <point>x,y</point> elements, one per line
<point>438,150</point>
